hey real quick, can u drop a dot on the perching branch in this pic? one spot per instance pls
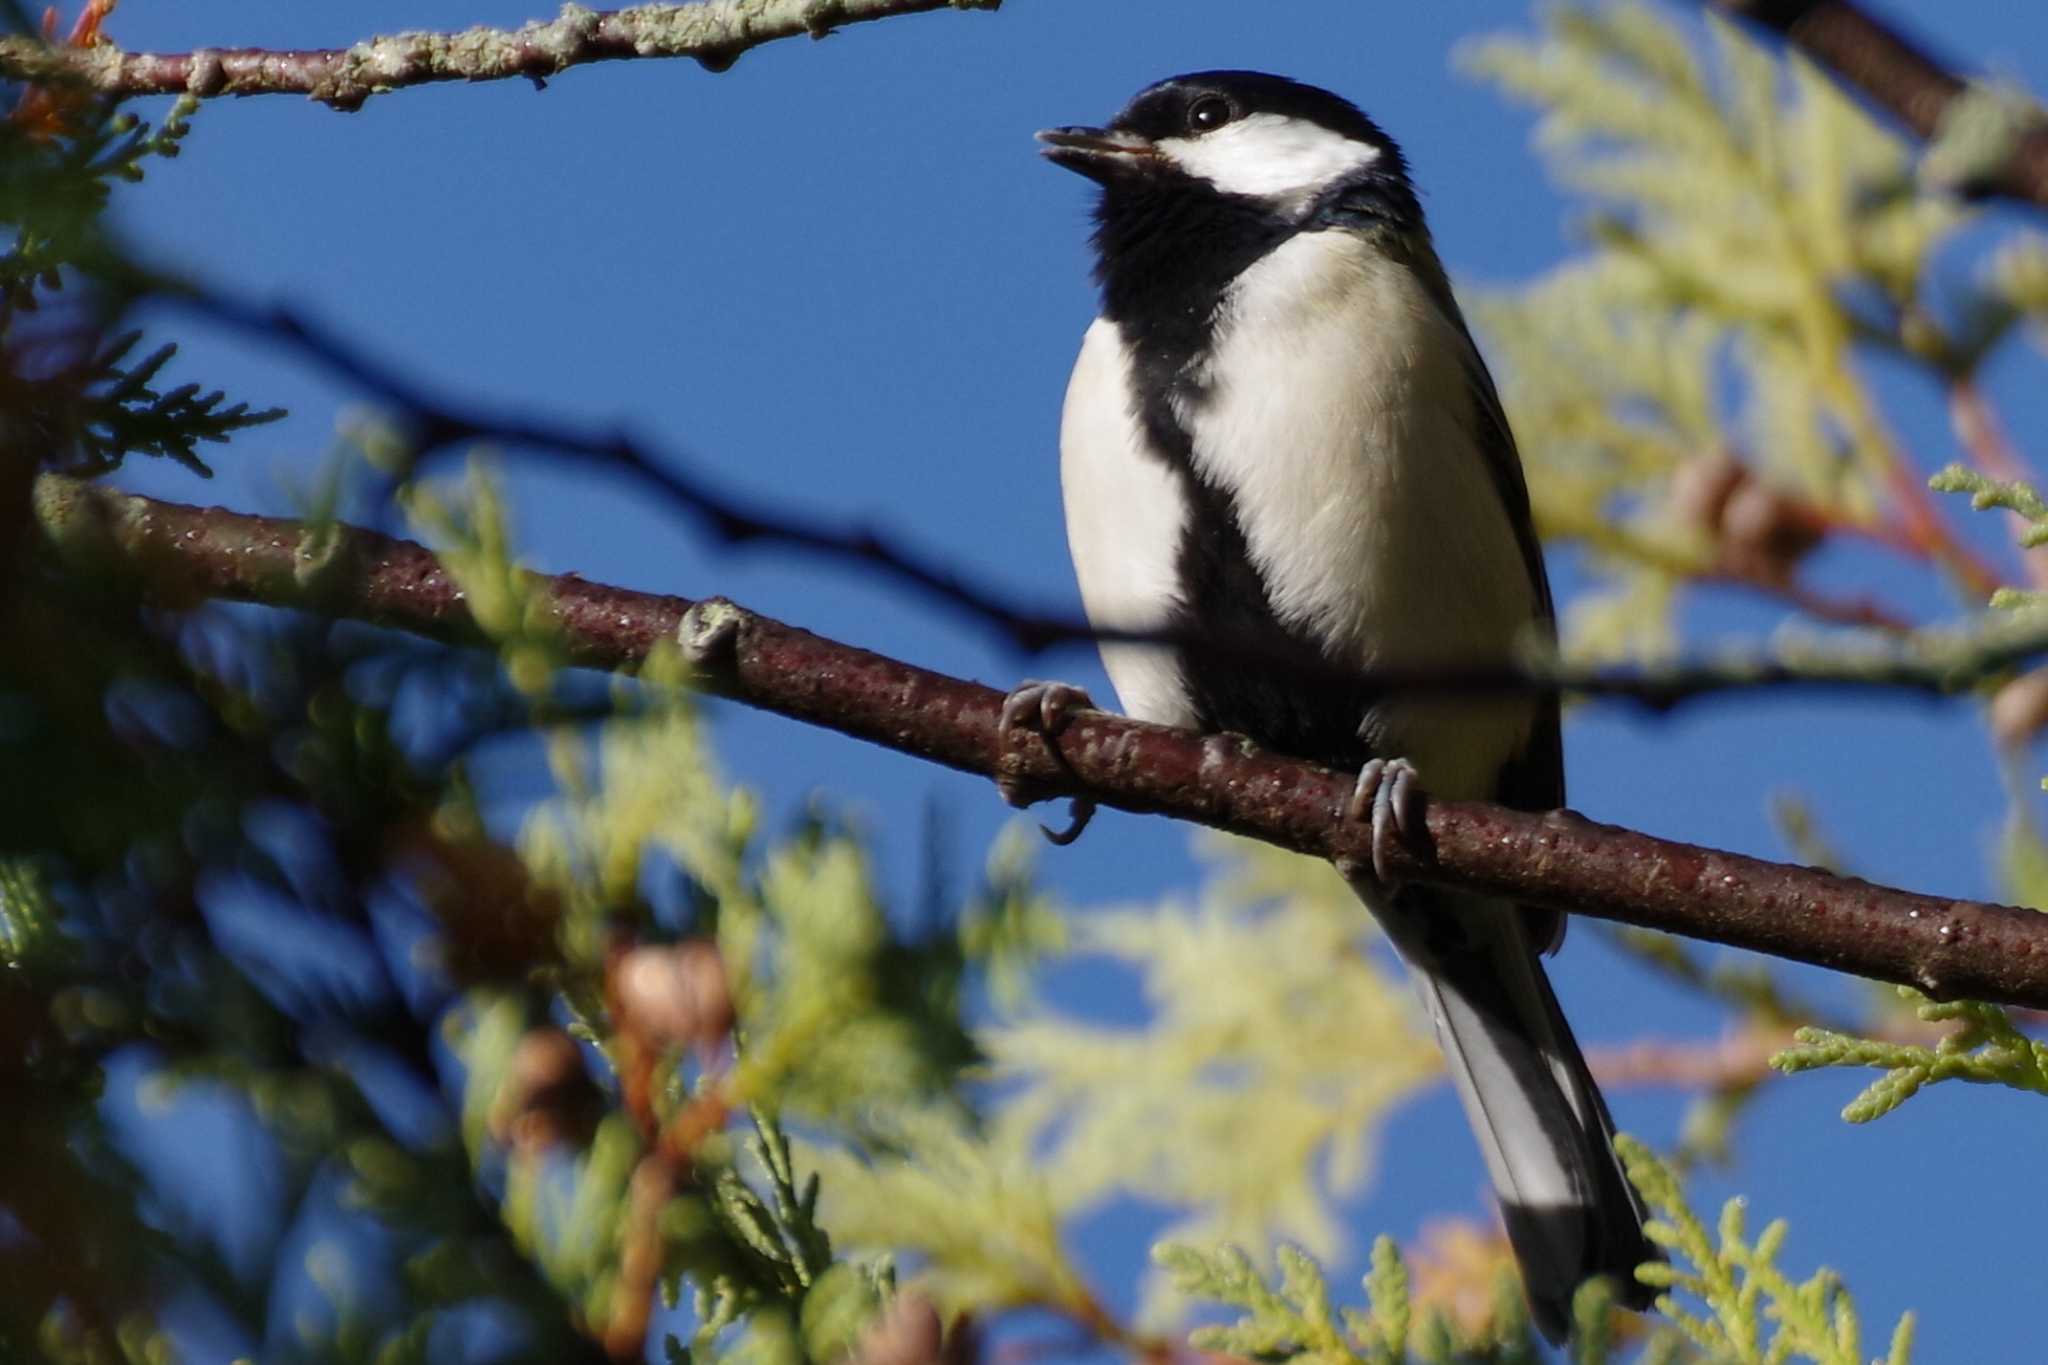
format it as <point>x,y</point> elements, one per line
<point>1946,948</point>
<point>714,33</point>
<point>2004,151</point>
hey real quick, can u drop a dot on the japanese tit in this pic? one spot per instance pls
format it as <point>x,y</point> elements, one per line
<point>1280,435</point>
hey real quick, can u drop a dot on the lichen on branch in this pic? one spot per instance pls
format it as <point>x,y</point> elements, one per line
<point>714,33</point>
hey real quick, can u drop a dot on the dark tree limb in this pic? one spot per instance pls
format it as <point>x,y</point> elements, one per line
<point>436,424</point>
<point>714,33</point>
<point>1901,77</point>
<point>1930,663</point>
<point>1947,948</point>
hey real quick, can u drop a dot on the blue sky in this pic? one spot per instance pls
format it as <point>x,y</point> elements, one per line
<point>837,278</point>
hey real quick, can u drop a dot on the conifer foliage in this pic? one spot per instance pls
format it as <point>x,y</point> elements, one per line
<point>629,1075</point>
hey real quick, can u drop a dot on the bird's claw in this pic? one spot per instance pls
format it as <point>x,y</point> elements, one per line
<point>1389,792</point>
<point>1080,810</point>
<point>1041,708</point>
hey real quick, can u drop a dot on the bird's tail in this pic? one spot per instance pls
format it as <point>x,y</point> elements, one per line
<point>1543,1128</point>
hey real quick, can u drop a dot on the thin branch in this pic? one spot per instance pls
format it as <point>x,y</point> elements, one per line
<point>1937,540</point>
<point>437,423</point>
<point>1773,579</point>
<point>1743,1057</point>
<point>1738,1059</point>
<point>714,33</point>
<point>1982,436</point>
<point>1946,948</point>
<point>1863,611</point>
<point>1903,78</point>
<point>1933,662</point>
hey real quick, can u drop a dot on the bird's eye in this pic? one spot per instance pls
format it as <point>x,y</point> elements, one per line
<point>1208,112</point>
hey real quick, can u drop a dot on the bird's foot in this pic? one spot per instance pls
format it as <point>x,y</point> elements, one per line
<point>1043,709</point>
<point>1389,793</point>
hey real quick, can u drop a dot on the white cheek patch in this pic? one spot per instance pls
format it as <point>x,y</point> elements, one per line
<point>1269,156</point>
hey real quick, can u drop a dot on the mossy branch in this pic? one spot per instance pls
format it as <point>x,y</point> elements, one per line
<point>1946,948</point>
<point>713,33</point>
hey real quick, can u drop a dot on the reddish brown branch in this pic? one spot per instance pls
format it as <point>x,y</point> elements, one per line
<point>1935,540</point>
<point>1976,425</point>
<point>1899,76</point>
<point>1947,948</point>
<point>1841,610</point>
<point>1739,1059</point>
<point>1743,1057</point>
<point>714,33</point>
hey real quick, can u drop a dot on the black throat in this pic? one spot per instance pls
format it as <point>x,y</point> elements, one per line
<point>1168,256</point>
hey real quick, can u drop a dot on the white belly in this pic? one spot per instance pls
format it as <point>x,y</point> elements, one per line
<point>1344,432</point>
<point>1340,415</point>
<point>1125,514</point>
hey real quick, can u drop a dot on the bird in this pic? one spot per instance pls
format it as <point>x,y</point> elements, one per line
<point>1281,438</point>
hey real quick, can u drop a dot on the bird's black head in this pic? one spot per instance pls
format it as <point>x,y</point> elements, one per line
<point>1203,173</point>
<point>1239,133</point>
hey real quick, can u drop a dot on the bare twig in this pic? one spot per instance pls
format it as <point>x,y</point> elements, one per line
<point>1901,77</point>
<point>714,33</point>
<point>1976,425</point>
<point>1861,610</point>
<point>1930,663</point>
<point>1947,948</point>
<point>1738,1059</point>
<point>1743,1057</point>
<point>436,423</point>
<point>1938,542</point>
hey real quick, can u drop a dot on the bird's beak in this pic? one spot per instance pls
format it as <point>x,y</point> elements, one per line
<point>1101,154</point>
